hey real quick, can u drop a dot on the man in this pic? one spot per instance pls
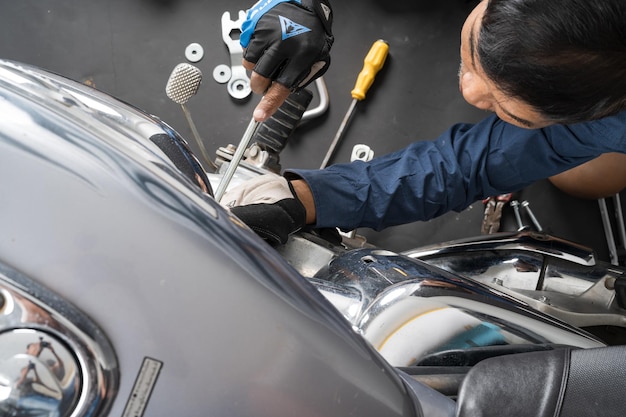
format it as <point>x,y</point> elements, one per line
<point>35,393</point>
<point>553,73</point>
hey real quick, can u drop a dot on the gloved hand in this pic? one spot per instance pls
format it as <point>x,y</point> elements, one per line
<point>289,41</point>
<point>268,205</point>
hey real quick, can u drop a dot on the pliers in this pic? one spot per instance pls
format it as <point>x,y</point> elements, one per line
<point>493,213</point>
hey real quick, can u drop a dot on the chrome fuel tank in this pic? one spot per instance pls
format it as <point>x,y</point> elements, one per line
<point>155,299</point>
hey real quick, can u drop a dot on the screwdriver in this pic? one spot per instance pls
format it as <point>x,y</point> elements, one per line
<point>373,62</point>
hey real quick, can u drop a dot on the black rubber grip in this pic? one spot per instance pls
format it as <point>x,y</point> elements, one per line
<point>274,132</point>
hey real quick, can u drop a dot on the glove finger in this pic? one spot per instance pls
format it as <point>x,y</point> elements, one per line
<point>312,63</point>
<point>317,70</point>
<point>273,222</point>
<point>255,49</point>
<point>271,63</point>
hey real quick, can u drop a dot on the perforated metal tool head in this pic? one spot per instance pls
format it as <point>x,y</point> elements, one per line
<point>183,83</point>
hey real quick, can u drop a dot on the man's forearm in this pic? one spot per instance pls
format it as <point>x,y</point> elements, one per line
<point>304,194</point>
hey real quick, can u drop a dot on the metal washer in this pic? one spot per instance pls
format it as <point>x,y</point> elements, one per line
<point>222,73</point>
<point>194,52</point>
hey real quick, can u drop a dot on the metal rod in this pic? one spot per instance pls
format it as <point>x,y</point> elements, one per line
<point>322,92</point>
<point>608,231</point>
<point>196,135</point>
<point>339,134</point>
<point>518,216</point>
<point>619,216</point>
<point>234,163</point>
<point>533,219</point>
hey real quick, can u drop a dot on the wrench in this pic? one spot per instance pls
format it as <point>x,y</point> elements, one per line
<point>239,84</point>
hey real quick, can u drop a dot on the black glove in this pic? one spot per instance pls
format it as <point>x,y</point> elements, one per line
<point>269,206</point>
<point>288,40</point>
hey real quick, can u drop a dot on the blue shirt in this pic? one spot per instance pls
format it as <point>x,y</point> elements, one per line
<point>465,164</point>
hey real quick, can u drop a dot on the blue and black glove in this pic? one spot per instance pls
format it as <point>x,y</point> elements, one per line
<point>289,41</point>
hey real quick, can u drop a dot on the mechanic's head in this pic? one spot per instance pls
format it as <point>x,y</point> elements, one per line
<point>537,62</point>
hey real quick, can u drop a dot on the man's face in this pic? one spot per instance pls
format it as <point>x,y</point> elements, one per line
<point>479,91</point>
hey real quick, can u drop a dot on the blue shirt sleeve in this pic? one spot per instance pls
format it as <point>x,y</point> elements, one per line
<point>465,164</point>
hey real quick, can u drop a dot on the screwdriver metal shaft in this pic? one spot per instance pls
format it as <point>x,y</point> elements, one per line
<point>339,134</point>
<point>373,63</point>
<point>234,162</point>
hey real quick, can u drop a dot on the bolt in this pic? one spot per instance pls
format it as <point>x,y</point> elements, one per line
<point>253,151</point>
<point>609,283</point>
<point>518,218</point>
<point>526,205</point>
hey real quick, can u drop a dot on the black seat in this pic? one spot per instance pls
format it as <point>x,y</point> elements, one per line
<point>558,383</point>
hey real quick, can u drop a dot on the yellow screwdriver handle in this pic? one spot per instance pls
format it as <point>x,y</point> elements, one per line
<point>373,63</point>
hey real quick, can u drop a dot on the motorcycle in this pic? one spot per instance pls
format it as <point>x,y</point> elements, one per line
<point>127,290</point>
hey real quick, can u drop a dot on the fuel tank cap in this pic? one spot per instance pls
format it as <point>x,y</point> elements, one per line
<point>38,374</point>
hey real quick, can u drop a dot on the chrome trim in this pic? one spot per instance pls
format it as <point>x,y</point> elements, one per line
<point>528,241</point>
<point>408,309</point>
<point>554,282</point>
<point>36,324</point>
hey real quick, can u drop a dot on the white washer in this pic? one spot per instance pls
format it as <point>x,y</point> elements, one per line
<point>194,52</point>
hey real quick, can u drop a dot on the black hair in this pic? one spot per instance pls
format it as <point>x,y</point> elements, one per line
<point>565,58</point>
